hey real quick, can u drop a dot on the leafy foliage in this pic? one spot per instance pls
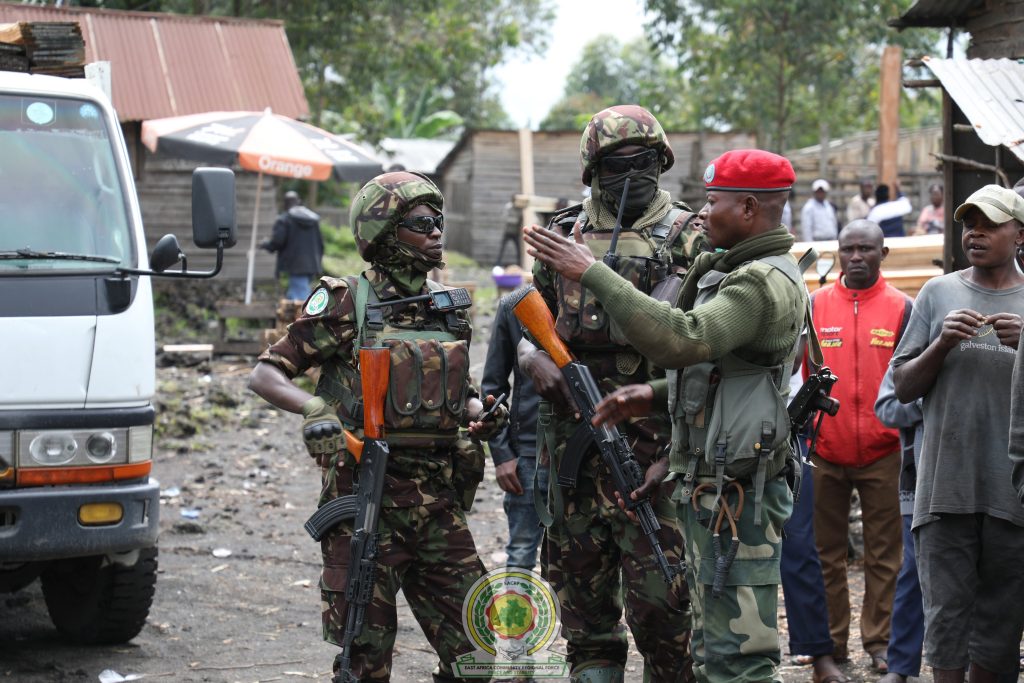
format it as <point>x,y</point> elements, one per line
<point>788,70</point>
<point>388,67</point>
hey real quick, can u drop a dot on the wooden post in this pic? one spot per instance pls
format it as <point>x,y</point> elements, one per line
<point>526,186</point>
<point>889,117</point>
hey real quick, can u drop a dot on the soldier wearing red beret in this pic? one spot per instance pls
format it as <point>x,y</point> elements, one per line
<point>728,346</point>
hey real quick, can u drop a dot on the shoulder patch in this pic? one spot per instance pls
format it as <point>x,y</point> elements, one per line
<point>317,301</point>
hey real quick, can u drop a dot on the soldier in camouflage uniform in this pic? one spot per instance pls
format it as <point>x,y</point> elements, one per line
<point>426,547</point>
<point>729,346</point>
<point>596,559</point>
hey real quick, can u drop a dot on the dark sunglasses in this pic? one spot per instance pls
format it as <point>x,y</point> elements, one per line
<point>633,162</point>
<point>423,225</point>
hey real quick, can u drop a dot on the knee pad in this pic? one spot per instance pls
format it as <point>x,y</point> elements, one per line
<point>598,674</point>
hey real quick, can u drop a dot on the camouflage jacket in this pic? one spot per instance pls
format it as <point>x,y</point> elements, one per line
<point>325,336</point>
<point>593,337</point>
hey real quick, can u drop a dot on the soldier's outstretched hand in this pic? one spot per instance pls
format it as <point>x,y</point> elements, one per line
<point>631,400</point>
<point>569,257</point>
<point>651,487</point>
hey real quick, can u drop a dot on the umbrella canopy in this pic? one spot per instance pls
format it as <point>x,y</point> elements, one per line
<point>261,142</point>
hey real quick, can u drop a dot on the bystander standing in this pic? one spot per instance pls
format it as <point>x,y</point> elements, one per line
<point>859,320</point>
<point>958,354</point>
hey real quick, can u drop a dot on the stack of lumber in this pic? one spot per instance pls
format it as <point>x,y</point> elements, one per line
<point>43,47</point>
<point>910,263</point>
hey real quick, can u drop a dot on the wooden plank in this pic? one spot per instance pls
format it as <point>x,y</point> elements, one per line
<point>889,116</point>
<point>187,348</point>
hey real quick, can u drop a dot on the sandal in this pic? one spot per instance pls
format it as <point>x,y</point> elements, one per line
<point>879,662</point>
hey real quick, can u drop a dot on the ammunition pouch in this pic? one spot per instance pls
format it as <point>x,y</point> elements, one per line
<point>429,376</point>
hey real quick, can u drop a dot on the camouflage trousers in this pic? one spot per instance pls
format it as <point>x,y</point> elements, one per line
<point>735,635</point>
<point>597,560</point>
<point>426,551</point>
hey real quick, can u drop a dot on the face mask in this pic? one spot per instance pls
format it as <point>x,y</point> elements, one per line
<point>643,185</point>
<point>405,264</point>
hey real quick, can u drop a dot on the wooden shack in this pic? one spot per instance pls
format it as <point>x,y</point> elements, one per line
<point>481,174</point>
<point>982,119</point>
<point>169,65</point>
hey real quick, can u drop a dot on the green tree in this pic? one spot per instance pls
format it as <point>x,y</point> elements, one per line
<point>387,67</point>
<point>791,71</point>
<point>609,72</point>
<point>361,60</point>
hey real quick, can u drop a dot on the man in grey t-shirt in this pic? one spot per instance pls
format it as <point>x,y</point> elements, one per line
<point>958,353</point>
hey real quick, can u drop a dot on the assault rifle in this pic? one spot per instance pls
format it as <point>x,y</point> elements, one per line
<point>533,313</point>
<point>814,396</point>
<point>363,505</point>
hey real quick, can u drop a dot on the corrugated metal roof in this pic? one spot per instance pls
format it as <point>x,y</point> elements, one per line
<point>990,93</point>
<point>168,65</point>
<point>936,13</point>
<point>416,154</point>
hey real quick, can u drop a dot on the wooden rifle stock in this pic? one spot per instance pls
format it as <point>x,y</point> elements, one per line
<point>529,306</point>
<point>374,368</point>
<point>353,445</point>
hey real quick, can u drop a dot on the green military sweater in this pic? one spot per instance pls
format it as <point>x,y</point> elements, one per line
<point>757,314</point>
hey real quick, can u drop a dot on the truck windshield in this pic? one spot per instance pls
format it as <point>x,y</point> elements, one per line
<point>61,201</point>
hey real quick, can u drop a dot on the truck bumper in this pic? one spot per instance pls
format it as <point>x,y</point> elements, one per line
<point>42,523</point>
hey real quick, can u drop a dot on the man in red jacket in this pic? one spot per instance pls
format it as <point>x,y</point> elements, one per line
<point>859,321</point>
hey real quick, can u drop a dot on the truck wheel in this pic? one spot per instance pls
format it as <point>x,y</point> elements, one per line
<point>94,601</point>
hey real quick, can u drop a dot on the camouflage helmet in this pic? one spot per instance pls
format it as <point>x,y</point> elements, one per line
<point>618,126</point>
<point>384,201</point>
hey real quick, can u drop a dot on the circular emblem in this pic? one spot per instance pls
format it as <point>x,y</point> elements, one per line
<point>709,173</point>
<point>317,302</point>
<point>510,609</point>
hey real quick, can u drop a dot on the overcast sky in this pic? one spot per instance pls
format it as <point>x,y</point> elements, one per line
<point>532,87</point>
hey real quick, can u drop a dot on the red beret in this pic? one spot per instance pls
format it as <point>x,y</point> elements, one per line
<point>749,170</point>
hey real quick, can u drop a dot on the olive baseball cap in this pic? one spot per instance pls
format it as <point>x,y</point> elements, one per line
<point>999,204</point>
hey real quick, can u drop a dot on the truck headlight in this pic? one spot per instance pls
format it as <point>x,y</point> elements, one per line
<point>53,448</point>
<point>101,448</point>
<point>72,448</point>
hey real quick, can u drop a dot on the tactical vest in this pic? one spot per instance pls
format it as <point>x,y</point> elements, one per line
<point>429,374</point>
<point>729,416</point>
<point>644,260</point>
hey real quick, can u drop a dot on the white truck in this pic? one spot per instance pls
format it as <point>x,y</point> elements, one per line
<point>78,509</point>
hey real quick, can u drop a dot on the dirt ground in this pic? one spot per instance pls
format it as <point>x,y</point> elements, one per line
<point>237,596</point>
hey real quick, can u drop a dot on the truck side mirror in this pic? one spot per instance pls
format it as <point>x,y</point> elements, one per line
<point>213,208</point>
<point>166,253</point>
<point>824,266</point>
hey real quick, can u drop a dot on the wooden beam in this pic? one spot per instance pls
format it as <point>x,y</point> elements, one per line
<point>526,185</point>
<point>889,116</point>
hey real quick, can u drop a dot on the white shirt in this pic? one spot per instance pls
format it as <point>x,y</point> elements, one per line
<point>818,221</point>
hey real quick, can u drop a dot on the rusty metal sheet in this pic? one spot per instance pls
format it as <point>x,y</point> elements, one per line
<point>169,65</point>
<point>990,93</point>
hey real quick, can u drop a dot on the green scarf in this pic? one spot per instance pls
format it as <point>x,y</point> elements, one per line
<point>604,219</point>
<point>771,243</point>
<point>405,265</point>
